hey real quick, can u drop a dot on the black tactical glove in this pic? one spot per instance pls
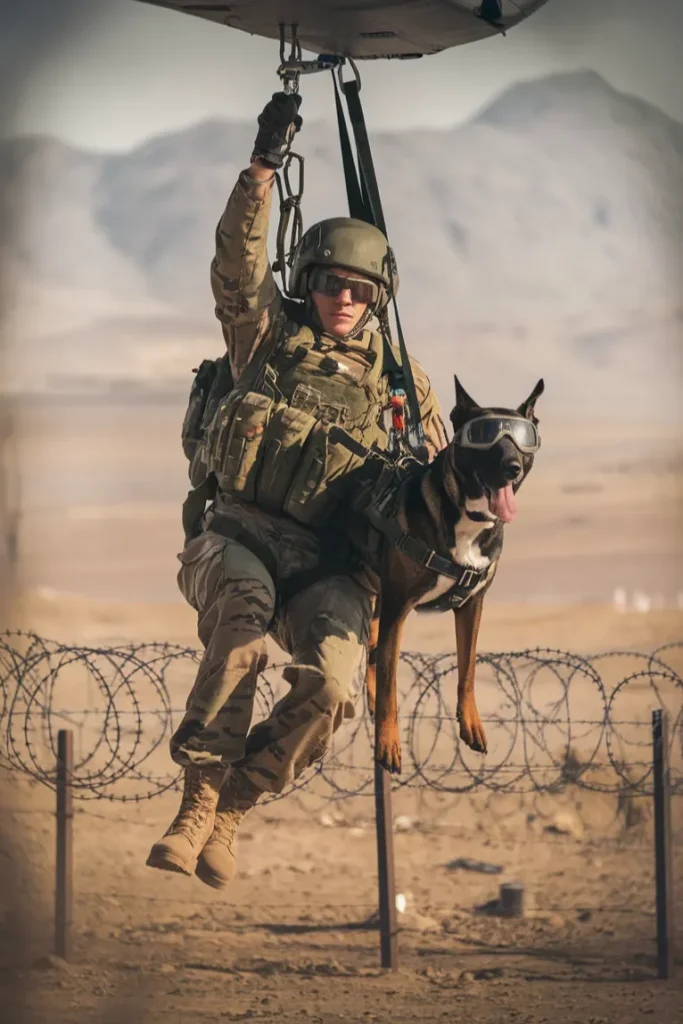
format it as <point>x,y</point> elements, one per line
<point>278,124</point>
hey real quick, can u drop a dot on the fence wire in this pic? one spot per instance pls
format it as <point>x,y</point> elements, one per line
<point>552,717</point>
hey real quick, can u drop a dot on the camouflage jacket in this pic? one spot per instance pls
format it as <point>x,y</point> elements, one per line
<point>248,304</point>
<point>248,299</point>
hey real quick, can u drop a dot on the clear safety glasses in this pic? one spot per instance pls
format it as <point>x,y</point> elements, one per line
<point>331,284</point>
<point>485,431</point>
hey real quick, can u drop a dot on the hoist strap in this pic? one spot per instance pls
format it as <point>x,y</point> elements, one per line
<point>365,185</point>
<point>357,207</point>
<point>368,179</point>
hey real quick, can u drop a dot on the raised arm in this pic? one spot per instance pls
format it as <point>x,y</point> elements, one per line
<point>244,289</point>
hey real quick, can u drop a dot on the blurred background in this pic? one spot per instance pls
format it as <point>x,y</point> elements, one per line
<point>532,191</point>
<point>532,188</point>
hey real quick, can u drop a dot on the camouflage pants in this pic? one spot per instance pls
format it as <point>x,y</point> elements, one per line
<point>325,628</point>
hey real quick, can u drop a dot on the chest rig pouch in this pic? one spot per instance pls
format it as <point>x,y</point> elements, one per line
<point>270,442</point>
<point>213,381</point>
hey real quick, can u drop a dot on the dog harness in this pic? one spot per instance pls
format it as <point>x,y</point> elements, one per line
<point>380,513</point>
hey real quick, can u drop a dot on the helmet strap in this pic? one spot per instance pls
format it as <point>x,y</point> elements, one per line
<point>310,312</point>
<point>366,317</point>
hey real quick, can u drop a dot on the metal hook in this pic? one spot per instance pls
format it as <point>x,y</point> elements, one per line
<point>290,68</point>
<point>354,68</point>
<point>285,173</point>
<point>290,207</point>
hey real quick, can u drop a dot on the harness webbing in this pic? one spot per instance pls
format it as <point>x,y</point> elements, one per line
<point>365,204</point>
<point>354,195</point>
<point>386,481</point>
<point>465,577</point>
<point>335,564</point>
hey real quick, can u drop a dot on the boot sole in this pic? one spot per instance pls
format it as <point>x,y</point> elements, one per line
<point>209,877</point>
<point>164,862</point>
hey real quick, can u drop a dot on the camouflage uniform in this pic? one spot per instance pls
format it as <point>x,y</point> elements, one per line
<point>237,588</point>
<point>325,627</point>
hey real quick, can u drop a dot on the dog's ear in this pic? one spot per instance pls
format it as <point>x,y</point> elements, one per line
<point>464,405</point>
<point>462,399</point>
<point>527,407</point>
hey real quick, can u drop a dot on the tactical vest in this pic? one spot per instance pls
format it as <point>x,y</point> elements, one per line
<point>268,441</point>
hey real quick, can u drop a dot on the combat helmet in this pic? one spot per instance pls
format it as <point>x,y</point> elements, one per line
<point>349,243</point>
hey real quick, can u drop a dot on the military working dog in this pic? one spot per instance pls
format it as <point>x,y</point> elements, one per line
<point>440,547</point>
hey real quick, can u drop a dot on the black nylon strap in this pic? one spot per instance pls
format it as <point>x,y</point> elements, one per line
<point>357,207</point>
<point>374,214</point>
<point>226,527</point>
<point>340,436</point>
<point>453,599</point>
<point>195,505</point>
<point>366,166</point>
<point>464,575</point>
<point>360,208</point>
<point>330,565</point>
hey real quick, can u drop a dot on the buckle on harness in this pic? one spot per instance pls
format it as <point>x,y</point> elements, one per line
<point>427,562</point>
<point>467,577</point>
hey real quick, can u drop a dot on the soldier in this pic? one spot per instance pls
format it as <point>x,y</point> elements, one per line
<point>297,368</point>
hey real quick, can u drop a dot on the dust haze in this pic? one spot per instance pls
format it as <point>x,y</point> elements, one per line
<point>542,238</point>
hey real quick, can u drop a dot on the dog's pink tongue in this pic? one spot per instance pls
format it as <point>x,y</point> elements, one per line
<point>503,504</point>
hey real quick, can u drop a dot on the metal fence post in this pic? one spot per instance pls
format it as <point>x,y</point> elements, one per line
<point>385,869</point>
<point>663,844</point>
<point>64,860</point>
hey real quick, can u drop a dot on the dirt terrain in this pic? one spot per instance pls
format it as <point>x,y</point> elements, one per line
<point>295,938</point>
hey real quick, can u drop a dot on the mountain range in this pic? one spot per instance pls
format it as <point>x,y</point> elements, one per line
<point>543,238</point>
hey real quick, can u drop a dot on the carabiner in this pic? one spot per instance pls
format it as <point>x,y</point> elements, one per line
<point>291,194</point>
<point>290,68</point>
<point>356,73</point>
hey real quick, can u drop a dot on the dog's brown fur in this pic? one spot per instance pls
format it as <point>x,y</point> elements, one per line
<point>391,611</point>
<point>403,583</point>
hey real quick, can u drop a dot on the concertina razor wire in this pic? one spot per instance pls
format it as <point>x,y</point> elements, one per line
<point>552,718</point>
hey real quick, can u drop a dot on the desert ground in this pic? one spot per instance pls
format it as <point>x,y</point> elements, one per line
<point>295,937</point>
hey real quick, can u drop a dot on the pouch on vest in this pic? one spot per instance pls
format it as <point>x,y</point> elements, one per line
<point>323,478</point>
<point>191,433</point>
<point>222,386</point>
<point>234,442</point>
<point>194,506</point>
<point>213,381</point>
<point>283,444</point>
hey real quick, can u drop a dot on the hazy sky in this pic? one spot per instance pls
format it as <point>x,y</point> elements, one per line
<point>121,71</point>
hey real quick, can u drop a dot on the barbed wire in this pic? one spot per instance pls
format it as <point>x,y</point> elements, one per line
<point>553,718</point>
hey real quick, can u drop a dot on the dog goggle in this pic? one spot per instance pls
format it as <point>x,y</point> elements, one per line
<point>332,285</point>
<point>486,431</point>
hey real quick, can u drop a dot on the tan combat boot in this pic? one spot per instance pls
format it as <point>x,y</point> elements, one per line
<point>217,864</point>
<point>180,845</point>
